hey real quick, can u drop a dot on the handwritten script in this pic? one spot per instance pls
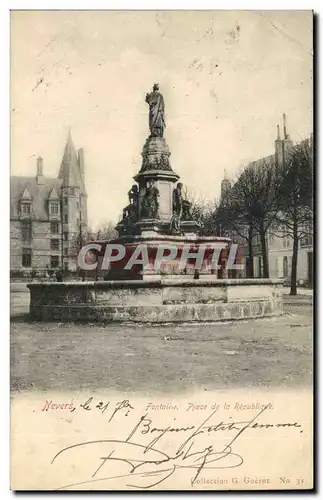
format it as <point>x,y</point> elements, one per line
<point>146,465</point>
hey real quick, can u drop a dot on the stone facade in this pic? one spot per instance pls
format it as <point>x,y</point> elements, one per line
<point>48,216</point>
<point>280,251</point>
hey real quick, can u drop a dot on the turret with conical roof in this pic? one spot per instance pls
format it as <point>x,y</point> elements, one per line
<point>73,199</point>
<point>70,170</point>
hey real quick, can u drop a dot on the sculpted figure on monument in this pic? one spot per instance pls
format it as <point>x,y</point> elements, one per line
<point>150,202</point>
<point>178,200</point>
<point>156,112</point>
<point>125,220</point>
<point>133,196</point>
<point>130,212</point>
<point>177,209</point>
<point>187,210</point>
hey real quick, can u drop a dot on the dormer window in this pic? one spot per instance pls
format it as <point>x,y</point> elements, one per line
<point>53,204</point>
<point>53,208</point>
<point>25,208</point>
<point>25,204</point>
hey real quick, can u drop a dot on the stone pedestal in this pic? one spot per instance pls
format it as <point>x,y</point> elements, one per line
<point>155,156</point>
<point>189,228</point>
<point>156,169</point>
<point>156,166</point>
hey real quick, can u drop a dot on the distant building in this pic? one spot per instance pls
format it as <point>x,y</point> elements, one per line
<point>48,215</point>
<point>280,251</point>
<point>225,188</point>
<point>279,244</point>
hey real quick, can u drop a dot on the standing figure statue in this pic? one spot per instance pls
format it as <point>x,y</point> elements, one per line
<point>156,112</point>
<point>150,202</point>
<point>178,200</point>
<point>177,209</point>
<point>133,196</point>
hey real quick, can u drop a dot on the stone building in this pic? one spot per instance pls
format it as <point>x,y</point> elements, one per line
<point>279,242</point>
<point>48,215</point>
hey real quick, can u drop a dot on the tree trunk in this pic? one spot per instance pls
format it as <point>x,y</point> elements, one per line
<point>250,268</point>
<point>293,288</point>
<point>264,251</point>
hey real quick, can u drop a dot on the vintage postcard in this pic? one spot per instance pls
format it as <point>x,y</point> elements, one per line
<point>161,250</point>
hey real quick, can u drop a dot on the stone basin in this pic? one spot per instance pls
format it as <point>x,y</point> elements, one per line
<point>162,300</point>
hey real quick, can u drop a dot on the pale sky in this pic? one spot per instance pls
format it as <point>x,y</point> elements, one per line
<point>226,77</point>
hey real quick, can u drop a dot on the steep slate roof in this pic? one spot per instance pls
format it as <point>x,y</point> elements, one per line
<point>53,195</point>
<point>28,189</point>
<point>26,195</point>
<point>39,194</point>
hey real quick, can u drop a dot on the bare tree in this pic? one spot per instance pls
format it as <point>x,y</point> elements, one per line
<point>220,218</point>
<point>79,240</point>
<point>106,231</point>
<point>85,235</point>
<point>253,203</point>
<point>231,220</point>
<point>201,209</point>
<point>296,200</point>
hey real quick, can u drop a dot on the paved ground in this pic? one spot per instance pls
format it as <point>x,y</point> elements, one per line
<point>261,353</point>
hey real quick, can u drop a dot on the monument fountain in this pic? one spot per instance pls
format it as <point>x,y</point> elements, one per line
<point>184,284</point>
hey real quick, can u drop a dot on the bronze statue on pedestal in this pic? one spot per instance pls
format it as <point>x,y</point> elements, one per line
<point>133,196</point>
<point>130,213</point>
<point>187,211</point>
<point>150,202</point>
<point>177,210</point>
<point>156,112</point>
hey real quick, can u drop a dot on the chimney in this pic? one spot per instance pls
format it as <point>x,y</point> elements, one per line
<point>40,174</point>
<point>286,136</point>
<point>39,165</point>
<point>287,142</point>
<point>81,161</point>
<point>279,149</point>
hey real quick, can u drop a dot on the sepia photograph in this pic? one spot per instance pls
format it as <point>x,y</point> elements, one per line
<point>161,250</point>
